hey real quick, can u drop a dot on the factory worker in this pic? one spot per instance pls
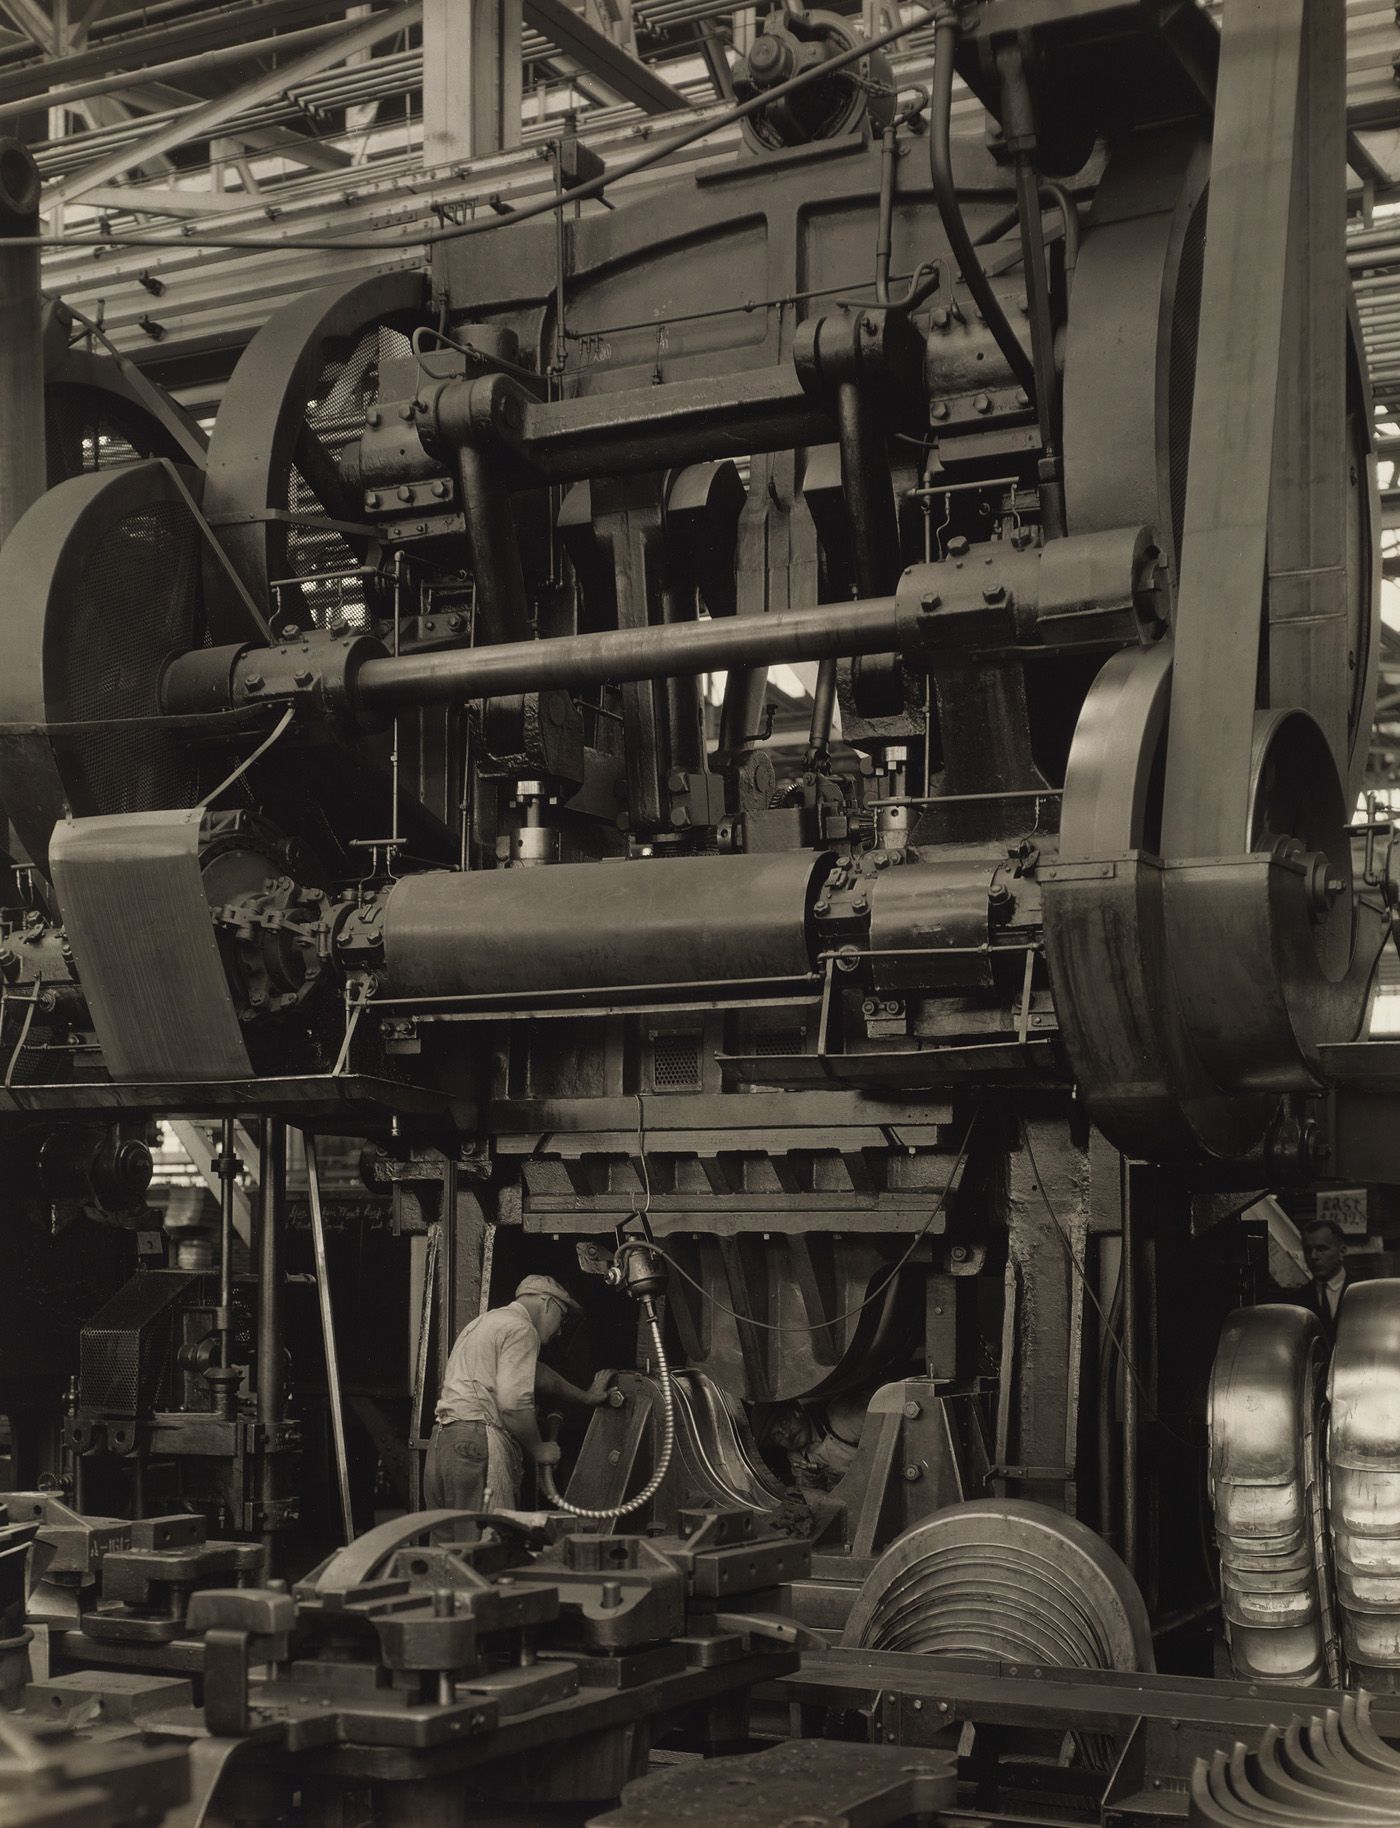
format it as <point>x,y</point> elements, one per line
<point>486,1422</point>
<point>820,1442</point>
<point>1325,1252</point>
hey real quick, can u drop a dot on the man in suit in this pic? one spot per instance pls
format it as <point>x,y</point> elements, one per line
<point>1325,1252</point>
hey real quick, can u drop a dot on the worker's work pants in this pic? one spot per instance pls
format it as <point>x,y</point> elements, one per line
<point>472,1466</point>
<point>454,1478</point>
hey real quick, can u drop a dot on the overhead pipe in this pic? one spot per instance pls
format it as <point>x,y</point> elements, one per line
<point>199,61</point>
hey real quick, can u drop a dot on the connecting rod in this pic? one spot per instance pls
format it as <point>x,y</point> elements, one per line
<point>619,655</point>
<point>1109,576</point>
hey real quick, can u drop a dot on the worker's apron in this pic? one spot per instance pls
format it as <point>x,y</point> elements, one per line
<point>505,1467</point>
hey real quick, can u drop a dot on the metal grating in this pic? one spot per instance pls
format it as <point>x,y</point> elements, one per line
<point>110,1355</point>
<point>771,1042</point>
<point>675,1062</point>
<point>135,605</point>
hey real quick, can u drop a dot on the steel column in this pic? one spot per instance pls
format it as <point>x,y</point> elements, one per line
<point>471,78</point>
<point>23,475</point>
<point>271,1347</point>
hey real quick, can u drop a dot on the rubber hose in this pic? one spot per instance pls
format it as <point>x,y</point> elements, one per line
<point>663,1459</point>
<point>940,160</point>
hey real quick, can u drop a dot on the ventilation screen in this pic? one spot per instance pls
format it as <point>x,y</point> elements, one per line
<point>675,1062</point>
<point>769,1042</point>
<point>135,605</point>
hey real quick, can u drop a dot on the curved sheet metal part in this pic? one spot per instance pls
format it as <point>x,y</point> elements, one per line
<point>1303,1773</point>
<point>1363,1463</point>
<point>1004,1579</point>
<point>1266,1488</point>
<point>715,1454</point>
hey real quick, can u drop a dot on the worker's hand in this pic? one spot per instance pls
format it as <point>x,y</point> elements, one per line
<point>547,1453</point>
<point>598,1389</point>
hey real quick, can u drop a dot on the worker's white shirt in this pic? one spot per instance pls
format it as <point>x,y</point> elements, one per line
<point>1333,1288</point>
<point>491,1367</point>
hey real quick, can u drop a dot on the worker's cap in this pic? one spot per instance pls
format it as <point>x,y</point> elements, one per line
<point>546,1285</point>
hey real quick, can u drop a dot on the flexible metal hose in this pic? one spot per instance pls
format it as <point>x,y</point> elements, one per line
<point>668,1437</point>
<point>940,157</point>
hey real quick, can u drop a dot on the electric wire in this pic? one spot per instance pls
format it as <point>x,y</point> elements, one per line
<point>821,1326</point>
<point>1104,1320</point>
<point>541,206</point>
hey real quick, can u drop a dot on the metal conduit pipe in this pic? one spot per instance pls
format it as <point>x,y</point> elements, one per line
<point>621,655</point>
<point>945,191</point>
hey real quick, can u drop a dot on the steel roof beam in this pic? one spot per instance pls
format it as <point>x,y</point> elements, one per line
<point>151,200</point>
<point>624,75</point>
<point>200,123</point>
<point>123,78</point>
<point>136,49</point>
<point>34,22</point>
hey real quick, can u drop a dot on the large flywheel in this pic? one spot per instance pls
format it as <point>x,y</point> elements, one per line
<point>1205,938</point>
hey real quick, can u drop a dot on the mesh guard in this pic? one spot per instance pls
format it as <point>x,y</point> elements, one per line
<point>99,587</point>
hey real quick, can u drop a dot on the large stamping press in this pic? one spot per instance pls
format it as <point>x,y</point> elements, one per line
<point>364,781</point>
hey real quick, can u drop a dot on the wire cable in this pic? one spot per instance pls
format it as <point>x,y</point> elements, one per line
<point>542,206</point>
<point>1105,1322</point>
<point>770,1326</point>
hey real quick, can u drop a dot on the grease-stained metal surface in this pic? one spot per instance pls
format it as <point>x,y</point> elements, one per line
<point>1363,1458</point>
<point>1266,1487</point>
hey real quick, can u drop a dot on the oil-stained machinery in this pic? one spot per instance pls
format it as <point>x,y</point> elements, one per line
<point>363,782</point>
